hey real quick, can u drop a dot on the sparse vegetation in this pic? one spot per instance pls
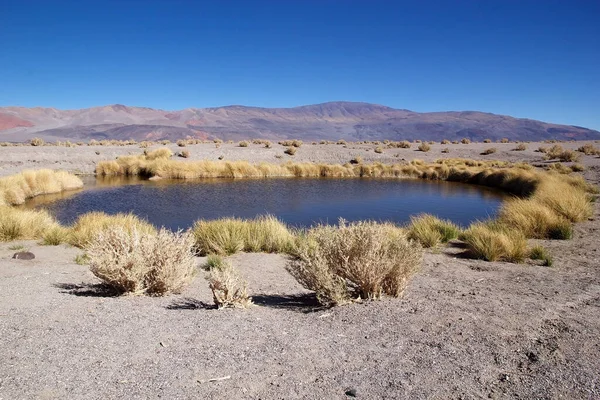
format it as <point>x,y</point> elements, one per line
<point>290,151</point>
<point>540,253</point>
<point>362,260</point>
<point>431,231</point>
<point>489,151</point>
<point>465,141</point>
<point>184,154</point>
<point>558,152</point>
<point>138,262</point>
<point>589,150</point>
<point>229,235</point>
<point>424,147</point>
<point>243,143</point>
<point>520,147</point>
<point>378,150</point>
<point>493,242</point>
<point>18,224</point>
<point>356,160</point>
<point>89,225</point>
<point>504,140</point>
<point>228,287</point>
<point>37,142</point>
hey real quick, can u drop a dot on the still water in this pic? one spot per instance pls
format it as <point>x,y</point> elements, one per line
<point>298,202</point>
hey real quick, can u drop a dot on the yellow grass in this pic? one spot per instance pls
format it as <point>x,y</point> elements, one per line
<point>18,224</point>
<point>431,231</point>
<point>89,225</point>
<point>15,189</point>
<point>491,242</point>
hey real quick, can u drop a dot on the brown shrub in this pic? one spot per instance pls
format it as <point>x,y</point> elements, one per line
<point>228,287</point>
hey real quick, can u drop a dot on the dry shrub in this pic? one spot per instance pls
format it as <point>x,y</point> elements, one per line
<point>361,260</point>
<point>491,150</point>
<point>431,231</point>
<point>589,150</point>
<point>181,143</point>
<point>356,160</point>
<point>378,150</point>
<point>493,242</point>
<point>465,141</point>
<point>424,147</point>
<point>540,253</point>
<point>567,198</point>
<point>504,140</point>
<point>558,152</point>
<point>15,189</point>
<point>446,150</point>
<point>229,235</point>
<point>520,147</point>
<point>577,168</point>
<point>290,150</point>
<point>18,224</point>
<point>184,154</point>
<point>55,236</point>
<point>243,143</point>
<point>162,153</point>
<point>445,141</point>
<point>487,140</point>
<point>291,143</point>
<point>228,287</point>
<point>138,262</point>
<point>89,225</point>
<point>37,142</point>
<point>405,144</point>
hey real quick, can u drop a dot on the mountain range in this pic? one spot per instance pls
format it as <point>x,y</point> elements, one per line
<point>332,121</point>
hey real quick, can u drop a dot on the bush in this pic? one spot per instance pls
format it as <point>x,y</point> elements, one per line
<point>362,260</point>
<point>534,219</point>
<point>356,160</point>
<point>424,147</point>
<point>243,144</point>
<point>589,150</point>
<point>55,236</point>
<point>290,150</point>
<point>491,150</point>
<point>487,141</point>
<point>520,147</point>
<point>181,143</point>
<point>493,242</point>
<point>431,231</point>
<point>504,140</point>
<point>184,154</point>
<point>228,287</point>
<point>465,141</point>
<point>37,142</point>
<point>445,141</point>
<point>446,150</point>
<point>378,150</point>
<point>133,261</point>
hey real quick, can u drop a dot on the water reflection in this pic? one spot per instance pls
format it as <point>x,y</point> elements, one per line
<point>299,202</point>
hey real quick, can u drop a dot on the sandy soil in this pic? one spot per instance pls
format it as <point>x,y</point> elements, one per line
<point>465,329</point>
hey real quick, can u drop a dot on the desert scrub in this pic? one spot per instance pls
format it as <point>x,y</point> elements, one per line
<point>15,189</point>
<point>431,231</point>
<point>243,143</point>
<point>162,153</point>
<point>89,225</point>
<point>446,150</point>
<point>228,287</point>
<point>445,141</point>
<point>424,147</point>
<point>227,236</point>
<point>540,253</point>
<point>534,219</point>
<point>504,140</point>
<point>589,150</point>
<point>37,142</point>
<point>465,141</point>
<point>55,235</point>
<point>492,241</point>
<point>291,143</point>
<point>184,154</point>
<point>378,150</point>
<point>349,262</point>
<point>18,224</point>
<point>182,143</point>
<point>491,150</point>
<point>133,261</point>
<point>213,261</point>
<point>356,160</point>
<point>290,151</point>
<point>520,147</point>
<point>558,152</point>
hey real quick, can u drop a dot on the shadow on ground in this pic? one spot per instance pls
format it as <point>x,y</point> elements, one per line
<point>304,302</point>
<point>87,290</point>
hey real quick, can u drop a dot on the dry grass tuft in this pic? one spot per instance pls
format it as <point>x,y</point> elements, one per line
<point>362,260</point>
<point>162,153</point>
<point>520,147</point>
<point>18,224</point>
<point>540,253</point>
<point>227,236</point>
<point>15,189</point>
<point>89,225</point>
<point>290,151</point>
<point>424,147</point>
<point>491,150</point>
<point>431,231</point>
<point>589,150</point>
<point>133,261</point>
<point>534,219</point>
<point>493,242</point>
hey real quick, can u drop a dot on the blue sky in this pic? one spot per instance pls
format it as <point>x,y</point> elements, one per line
<point>535,59</point>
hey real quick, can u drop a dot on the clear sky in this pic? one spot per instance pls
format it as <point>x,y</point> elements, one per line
<point>536,59</point>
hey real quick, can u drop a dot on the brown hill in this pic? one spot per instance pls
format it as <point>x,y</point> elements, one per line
<point>333,121</point>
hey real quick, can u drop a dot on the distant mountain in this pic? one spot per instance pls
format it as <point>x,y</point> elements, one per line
<point>332,121</point>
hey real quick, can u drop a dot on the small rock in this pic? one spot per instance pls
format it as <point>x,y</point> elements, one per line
<point>24,255</point>
<point>350,392</point>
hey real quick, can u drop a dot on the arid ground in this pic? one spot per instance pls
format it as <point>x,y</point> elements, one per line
<point>465,329</point>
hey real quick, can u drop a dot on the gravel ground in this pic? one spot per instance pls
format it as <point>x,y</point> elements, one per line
<point>465,329</point>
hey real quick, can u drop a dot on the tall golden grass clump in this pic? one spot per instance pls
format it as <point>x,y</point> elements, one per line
<point>568,197</point>
<point>362,260</point>
<point>18,224</point>
<point>228,287</point>
<point>161,153</point>
<point>229,235</point>
<point>134,261</point>
<point>15,189</point>
<point>90,225</point>
<point>431,231</point>
<point>534,219</point>
<point>491,241</point>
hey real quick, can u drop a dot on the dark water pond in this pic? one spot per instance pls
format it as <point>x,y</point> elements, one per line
<point>298,202</point>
